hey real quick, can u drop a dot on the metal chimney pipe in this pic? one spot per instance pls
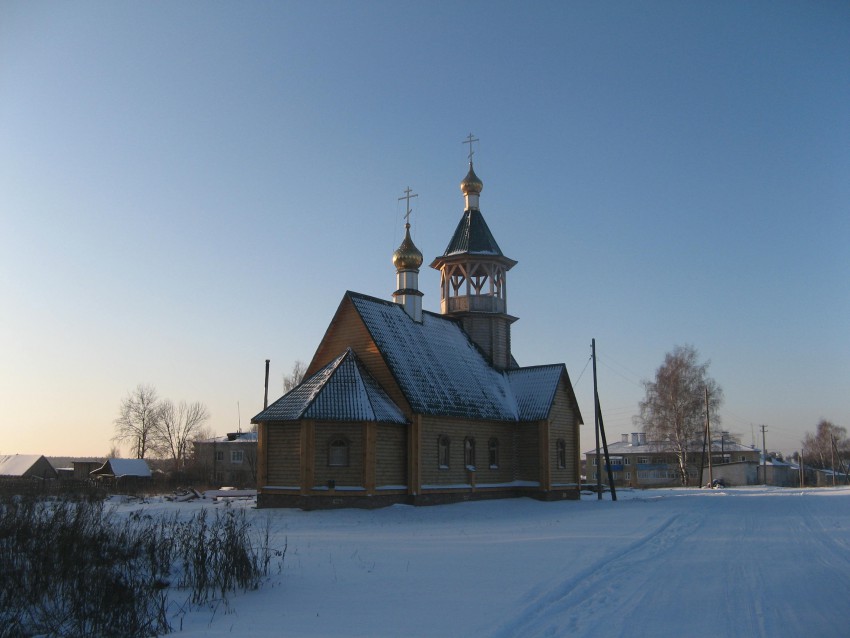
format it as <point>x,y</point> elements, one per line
<point>266,395</point>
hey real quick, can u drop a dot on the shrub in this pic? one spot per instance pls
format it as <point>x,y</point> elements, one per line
<point>72,569</point>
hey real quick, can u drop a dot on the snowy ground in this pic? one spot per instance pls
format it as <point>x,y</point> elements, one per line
<point>732,562</point>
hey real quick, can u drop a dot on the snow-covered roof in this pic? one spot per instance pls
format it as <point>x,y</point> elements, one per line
<point>341,391</point>
<point>534,389</point>
<point>650,447</point>
<point>123,467</point>
<point>17,464</point>
<point>437,367</point>
<point>234,437</point>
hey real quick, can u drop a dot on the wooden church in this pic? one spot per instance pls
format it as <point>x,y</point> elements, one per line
<point>401,405</point>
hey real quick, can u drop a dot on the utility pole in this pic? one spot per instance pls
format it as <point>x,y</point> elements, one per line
<point>595,423</point>
<point>832,457</point>
<point>710,446</point>
<point>802,472</point>
<point>763,455</point>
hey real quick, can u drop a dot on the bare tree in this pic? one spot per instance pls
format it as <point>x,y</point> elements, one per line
<point>817,448</point>
<point>138,420</point>
<point>251,460</point>
<point>177,428</point>
<point>673,412</point>
<point>295,377</point>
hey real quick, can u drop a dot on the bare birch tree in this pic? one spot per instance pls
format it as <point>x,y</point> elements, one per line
<point>818,448</point>
<point>178,427</point>
<point>673,412</point>
<point>295,377</point>
<point>138,420</point>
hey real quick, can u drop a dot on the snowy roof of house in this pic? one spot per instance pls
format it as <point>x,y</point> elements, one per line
<point>650,447</point>
<point>233,437</point>
<point>123,467</point>
<point>437,367</point>
<point>341,391</point>
<point>17,464</point>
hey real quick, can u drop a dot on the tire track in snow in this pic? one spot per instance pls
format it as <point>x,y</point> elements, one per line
<point>584,597</point>
<point>818,532</point>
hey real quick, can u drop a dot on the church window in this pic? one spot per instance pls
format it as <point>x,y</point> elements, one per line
<point>469,453</point>
<point>562,454</point>
<point>493,453</point>
<point>443,452</point>
<point>338,452</point>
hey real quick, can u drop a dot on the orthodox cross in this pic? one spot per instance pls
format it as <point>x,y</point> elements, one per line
<point>407,196</point>
<point>469,140</point>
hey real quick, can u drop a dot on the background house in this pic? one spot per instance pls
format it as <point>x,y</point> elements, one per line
<point>636,462</point>
<point>33,466</point>
<point>229,460</point>
<point>126,473</point>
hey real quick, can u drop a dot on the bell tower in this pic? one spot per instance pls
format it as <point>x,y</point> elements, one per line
<point>473,277</point>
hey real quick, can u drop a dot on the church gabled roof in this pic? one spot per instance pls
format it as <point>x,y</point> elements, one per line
<point>341,391</point>
<point>436,366</point>
<point>534,389</point>
<point>441,372</point>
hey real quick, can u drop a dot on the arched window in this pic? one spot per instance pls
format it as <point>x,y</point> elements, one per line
<point>562,454</point>
<point>338,452</point>
<point>443,452</point>
<point>493,453</point>
<point>469,452</point>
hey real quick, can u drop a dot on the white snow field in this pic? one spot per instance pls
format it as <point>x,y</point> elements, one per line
<point>673,562</point>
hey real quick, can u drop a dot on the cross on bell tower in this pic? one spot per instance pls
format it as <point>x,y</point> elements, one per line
<point>473,277</point>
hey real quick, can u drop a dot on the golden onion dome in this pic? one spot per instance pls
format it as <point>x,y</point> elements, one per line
<point>471,183</point>
<point>407,256</point>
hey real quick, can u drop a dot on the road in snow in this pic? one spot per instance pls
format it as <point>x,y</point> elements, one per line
<point>734,562</point>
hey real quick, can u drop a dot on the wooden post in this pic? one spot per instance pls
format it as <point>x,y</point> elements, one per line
<point>307,456</point>
<point>763,456</point>
<point>596,425</point>
<point>414,456</point>
<point>544,457</point>
<point>262,451</point>
<point>369,456</point>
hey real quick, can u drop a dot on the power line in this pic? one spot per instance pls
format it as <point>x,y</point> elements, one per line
<point>621,375</point>
<point>582,372</point>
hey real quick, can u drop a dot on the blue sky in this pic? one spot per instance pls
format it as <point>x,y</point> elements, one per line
<point>189,188</point>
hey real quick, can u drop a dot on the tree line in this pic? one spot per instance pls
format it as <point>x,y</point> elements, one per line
<point>152,426</point>
<point>827,447</point>
<point>682,397</point>
<point>155,427</point>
